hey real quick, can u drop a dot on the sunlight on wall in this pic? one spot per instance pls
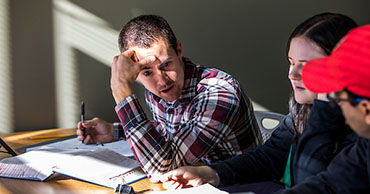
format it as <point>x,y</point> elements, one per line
<point>75,28</point>
<point>257,106</point>
<point>6,103</point>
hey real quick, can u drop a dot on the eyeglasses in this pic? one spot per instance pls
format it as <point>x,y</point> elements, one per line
<point>336,99</point>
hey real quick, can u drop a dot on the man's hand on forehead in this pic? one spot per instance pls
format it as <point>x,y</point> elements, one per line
<point>144,61</point>
<point>133,56</point>
<point>124,71</point>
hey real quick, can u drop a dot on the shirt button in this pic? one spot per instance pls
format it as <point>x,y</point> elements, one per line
<point>170,111</point>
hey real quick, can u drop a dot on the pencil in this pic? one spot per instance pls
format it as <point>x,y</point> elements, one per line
<point>50,136</point>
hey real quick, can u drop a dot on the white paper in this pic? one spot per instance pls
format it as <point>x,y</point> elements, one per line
<point>102,166</point>
<point>121,146</point>
<point>36,165</point>
<point>98,166</point>
<point>202,189</point>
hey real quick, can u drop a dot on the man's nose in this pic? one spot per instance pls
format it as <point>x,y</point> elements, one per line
<point>162,78</point>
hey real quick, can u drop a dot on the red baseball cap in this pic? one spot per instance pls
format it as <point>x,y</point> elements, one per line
<point>348,66</point>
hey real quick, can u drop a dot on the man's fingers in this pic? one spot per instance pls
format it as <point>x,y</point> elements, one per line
<point>115,58</point>
<point>147,60</point>
<point>130,54</point>
<point>169,175</point>
<point>87,139</point>
<point>172,185</point>
<point>168,184</point>
<point>89,123</point>
<point>80,138</point>
<point>133,58</point>
<point>79,132</point>
<point>79,125</point>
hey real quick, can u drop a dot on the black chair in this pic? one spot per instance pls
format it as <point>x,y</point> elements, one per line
<point>268,122</point>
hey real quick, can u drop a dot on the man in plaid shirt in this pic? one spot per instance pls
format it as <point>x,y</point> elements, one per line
<point>199,114</point>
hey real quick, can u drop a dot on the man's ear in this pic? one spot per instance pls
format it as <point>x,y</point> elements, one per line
<point>179,48</point>
<point>365,108</point>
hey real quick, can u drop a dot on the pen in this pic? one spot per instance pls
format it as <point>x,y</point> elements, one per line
<point>82,120</point>
<point>50,136</point>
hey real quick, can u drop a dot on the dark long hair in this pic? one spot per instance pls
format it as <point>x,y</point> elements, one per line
<point>325,30</point>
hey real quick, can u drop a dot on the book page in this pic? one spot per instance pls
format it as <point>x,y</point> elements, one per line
<point>35,165</point>
<point>202,189</point>
<point>128,177</point>
<point>24,171</point>
<point>97,166</point>
<point>121,146</point>
<point>103,167</point>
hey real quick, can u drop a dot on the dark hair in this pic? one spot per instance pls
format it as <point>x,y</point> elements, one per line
<point>144,30</point>
<point>325,30</point>
<point>352,98</point>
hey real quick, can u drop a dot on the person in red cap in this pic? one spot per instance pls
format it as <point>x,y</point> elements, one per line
<point>345,77</point>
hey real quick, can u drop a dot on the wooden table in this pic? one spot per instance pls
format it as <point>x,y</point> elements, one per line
<point>57,183</point>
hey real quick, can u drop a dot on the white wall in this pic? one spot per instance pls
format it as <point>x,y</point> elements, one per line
<point>61,50</point>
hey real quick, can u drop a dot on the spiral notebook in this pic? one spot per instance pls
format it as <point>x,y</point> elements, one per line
<point>102,167</point>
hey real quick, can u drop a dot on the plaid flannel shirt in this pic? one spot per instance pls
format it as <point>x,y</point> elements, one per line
<point>212,120</point>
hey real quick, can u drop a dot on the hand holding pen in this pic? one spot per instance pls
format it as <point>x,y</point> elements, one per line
<point>94,130</point>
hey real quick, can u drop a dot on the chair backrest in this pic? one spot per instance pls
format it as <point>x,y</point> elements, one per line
<point>268,122</point>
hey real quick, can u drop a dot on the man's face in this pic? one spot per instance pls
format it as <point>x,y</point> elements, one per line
<point>165,76</point>
<point>355,115</point>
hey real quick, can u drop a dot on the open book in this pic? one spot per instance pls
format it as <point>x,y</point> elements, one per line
<point>122,147</point>
<point>202,189</point>
<point>103,167</point>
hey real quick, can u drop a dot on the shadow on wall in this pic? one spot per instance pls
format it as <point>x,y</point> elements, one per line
<point>244,38</point>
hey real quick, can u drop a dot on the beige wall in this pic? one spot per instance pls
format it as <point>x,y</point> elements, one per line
<point>60,51</point>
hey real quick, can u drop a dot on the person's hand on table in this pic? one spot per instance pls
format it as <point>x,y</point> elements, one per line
<point>97,130</point>
<point>189,176</point>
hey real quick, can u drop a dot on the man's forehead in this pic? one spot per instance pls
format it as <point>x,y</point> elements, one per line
<point>148,66</point>
<point>159,50</point>
<point>154,65</point>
